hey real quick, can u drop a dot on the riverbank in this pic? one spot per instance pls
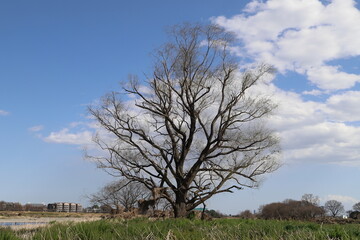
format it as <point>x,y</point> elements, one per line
<point>22,214</point>
<point>30,220</point>
<point>19,223</point>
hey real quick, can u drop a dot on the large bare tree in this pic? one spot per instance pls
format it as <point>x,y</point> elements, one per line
<point>334,207</point>
<point>194,128</point>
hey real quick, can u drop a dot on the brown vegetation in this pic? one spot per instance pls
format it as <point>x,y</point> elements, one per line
<point>291,209</point>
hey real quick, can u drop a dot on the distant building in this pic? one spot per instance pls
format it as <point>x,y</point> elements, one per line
<point>64,207</point>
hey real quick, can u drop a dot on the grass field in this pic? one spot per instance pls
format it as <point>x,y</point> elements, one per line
<point>187,229</point>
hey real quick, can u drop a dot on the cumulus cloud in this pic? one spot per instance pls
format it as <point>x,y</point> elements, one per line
<point>313,131</point>
<point>301,36</point>
<point>331,78</point>
<point>307,37</point>
<point>323,142</point>
<point>3,113</point>
<point>344,106</point>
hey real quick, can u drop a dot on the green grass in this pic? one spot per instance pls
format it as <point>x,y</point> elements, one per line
<point>7,234</point>
<point>187,230</point>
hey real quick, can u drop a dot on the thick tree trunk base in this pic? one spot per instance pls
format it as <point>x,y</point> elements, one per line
<point>180,210</point>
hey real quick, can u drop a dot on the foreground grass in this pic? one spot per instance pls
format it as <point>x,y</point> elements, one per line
<point>186,229</point>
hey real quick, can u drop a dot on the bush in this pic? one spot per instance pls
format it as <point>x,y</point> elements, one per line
<point>214,214</point>
<point>291,209</point>
<point>355,215</point>
<point>246,215</point>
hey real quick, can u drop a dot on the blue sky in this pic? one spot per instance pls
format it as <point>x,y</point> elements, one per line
<point>57,57</point>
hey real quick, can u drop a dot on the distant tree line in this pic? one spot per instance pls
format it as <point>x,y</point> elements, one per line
<point>215,214</point>
<point>306,208</point>
<point>10,206</point>
<point>15,206</point>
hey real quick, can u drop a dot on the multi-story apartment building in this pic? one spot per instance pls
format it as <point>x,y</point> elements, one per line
<point>64,207</point>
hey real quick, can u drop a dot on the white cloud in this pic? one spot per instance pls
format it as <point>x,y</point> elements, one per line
<point>3,113</point>
<point>313,92</point>
<point>343,199</point>
<point>301,36</point>
<point>67,137</point>
<point>36,128</point>
<point>329,77</point>
<point>323,142</point>
<point>315,131</point>
<point>344,106</point>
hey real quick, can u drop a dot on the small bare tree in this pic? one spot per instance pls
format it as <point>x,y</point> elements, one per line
<point>334,207</point>
<point>311,199</point>
<point>356,207</point>
<point>120,194</point>
<point>195,128</point>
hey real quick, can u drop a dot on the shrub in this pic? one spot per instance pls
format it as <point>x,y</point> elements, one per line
<point>214,214</point>
<point>247,214</point>
<point>291,209</point>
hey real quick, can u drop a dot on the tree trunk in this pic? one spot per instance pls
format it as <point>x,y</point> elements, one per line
<point>180,205</point>
<point>180,210</point>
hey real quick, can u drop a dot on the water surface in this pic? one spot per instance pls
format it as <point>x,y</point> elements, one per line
<point>20,223</point>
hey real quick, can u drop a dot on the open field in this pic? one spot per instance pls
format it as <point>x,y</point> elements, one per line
<point>185,229</point>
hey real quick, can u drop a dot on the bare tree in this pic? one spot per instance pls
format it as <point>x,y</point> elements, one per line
<point>310,198</point>
<point>193,128</point>
<point>356,206</point>
<point>120,194</point>
<point>334,207</point>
